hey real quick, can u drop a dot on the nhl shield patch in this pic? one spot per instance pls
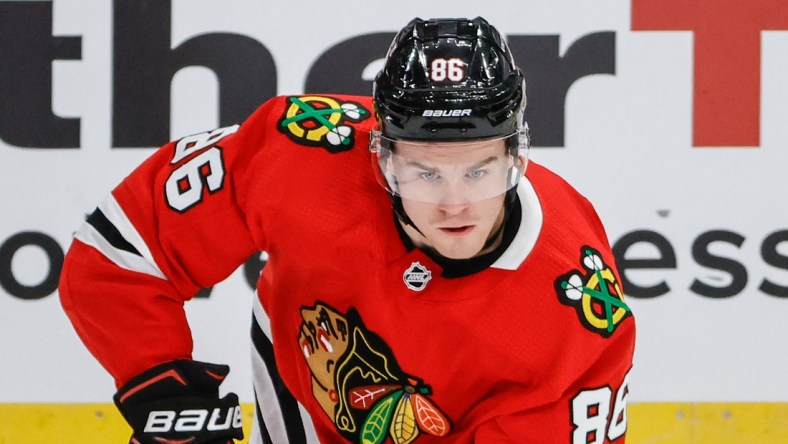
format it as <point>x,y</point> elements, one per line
<point>321,121</point>
<point>416,276</point>
<point>594,292</point>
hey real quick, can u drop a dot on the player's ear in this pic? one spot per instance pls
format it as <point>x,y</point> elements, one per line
<point>519,162</point>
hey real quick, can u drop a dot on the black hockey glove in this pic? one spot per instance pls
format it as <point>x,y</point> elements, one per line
<point>179,401</point>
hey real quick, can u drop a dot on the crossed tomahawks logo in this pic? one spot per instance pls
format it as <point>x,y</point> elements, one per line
<point>594,293</point>
<point>320,121</point>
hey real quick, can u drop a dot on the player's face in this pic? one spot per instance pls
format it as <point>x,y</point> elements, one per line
<point>449,172</point>
<point>452,221</point>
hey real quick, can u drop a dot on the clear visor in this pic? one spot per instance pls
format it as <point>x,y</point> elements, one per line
<point>449,173</point>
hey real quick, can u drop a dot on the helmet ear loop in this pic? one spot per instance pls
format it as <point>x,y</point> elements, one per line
<point>518,145</point>
<point>374,140</point>
<point>524,136</point>
<point>521,155</point>
<point>524,142</point>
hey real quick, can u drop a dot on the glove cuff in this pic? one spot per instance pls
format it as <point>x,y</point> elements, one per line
<point>179,401</point>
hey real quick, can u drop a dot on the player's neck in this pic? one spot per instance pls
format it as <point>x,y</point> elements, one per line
<point>498,242</point>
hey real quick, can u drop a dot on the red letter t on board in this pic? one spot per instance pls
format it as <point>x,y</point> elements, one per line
<point>727,88</point>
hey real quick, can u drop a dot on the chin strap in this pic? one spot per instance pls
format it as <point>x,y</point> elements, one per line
<point>510,199</point>
<point>399,210</point>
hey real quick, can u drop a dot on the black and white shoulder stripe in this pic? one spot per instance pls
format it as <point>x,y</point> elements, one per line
<point>110,231</point>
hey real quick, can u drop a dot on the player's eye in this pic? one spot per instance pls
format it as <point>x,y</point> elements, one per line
<point>477,174</point>
<point>429,176</point>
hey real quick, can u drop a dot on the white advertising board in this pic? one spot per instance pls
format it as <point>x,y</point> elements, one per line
<point>683,152</point>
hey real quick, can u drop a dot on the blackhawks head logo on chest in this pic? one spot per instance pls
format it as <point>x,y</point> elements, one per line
<point>358,383</point>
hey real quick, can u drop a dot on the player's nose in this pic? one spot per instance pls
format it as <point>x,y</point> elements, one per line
<point>453,193</point>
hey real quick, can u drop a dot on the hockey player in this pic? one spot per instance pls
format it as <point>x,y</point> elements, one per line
<point>472,297</point>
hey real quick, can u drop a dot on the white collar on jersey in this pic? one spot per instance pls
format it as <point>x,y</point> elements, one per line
<point>527,233</point>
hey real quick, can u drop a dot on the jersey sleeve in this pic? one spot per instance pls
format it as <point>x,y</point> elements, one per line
<point>176,224</point>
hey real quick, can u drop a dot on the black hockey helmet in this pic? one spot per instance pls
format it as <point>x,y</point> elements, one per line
<point>449,79</point>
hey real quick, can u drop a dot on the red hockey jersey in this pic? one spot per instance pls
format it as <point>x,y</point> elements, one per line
<point>368,336</point>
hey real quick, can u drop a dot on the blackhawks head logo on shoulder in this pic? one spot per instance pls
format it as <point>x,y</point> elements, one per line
<point>594,292</point>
